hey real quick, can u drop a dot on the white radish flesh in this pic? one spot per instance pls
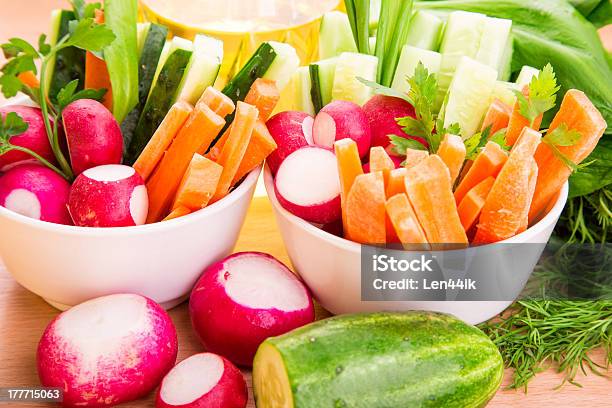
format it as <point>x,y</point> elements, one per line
<point>340,120</point>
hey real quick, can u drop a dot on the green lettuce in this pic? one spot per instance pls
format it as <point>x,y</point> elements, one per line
<point>121,55</point>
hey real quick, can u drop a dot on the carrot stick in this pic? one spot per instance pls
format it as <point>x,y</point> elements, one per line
<point>96,71</point>
<point>235,147</point>
<point>349,167</point>
<point>452,152</point>
<point>365,209</point>
<point>395,184</point>
<point>577,112</point>
<point>498,116</point>
<point>177,212</point>
<point>430,192</point>
<point>198,184</point>
<point>405,222</point>
<point>518,122</point>
<point>217,101</point>
<point>470,207</point>
<point>503,211</point>
<point>414,157</point>
<point>29,79</point>
<point>262,144</point>
<point>380,161</point>
<point>264,95</point>
<point>201,126</point>
<point>162,138</point>
<point>533,179</point>
<point>488,163</point>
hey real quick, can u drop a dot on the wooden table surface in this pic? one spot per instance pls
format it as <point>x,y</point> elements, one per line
<point>23,317</point>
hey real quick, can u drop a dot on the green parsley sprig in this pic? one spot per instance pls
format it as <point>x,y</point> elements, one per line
<point>23,57</point>
<point>542,96</point>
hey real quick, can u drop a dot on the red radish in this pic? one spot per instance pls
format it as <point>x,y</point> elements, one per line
<point>108,196</point>
<point>290,130</point>
<point>341,120</point>
<point>93,135</point>
<point>396,160</point>
<point>204,380</point>
<point>307,184</point>
<point>35,138</point>
<point>244,299</point>
<point>334,228</point>
<point>382,112</point>
<point>36,192</point>
<point>107,351</point>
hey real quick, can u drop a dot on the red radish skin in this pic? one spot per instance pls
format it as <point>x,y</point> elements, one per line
<point>382,112</point>
<point>341,120</point>
<point>36,192</point>
<point>107,351</point>
<point>307,184</point>
<point>108,196</point>
<point>290,130</point>
<point>34,138</point>
<point>93,135</point>
<point>396,160</point>
<point>203,380</point>
<point>244,299</point>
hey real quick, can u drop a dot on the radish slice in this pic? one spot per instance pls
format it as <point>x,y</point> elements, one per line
<point>307,184</point>
<point>109,196</point>
<point>244,299</point>
<point>291,130</point>
<point>340,120</point>
<point>107,351</point>
<point>36,192</point>
<point>204,380</point>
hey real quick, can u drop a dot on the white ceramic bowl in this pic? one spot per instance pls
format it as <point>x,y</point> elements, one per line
<point>67,265</point>
<point>331,266</point>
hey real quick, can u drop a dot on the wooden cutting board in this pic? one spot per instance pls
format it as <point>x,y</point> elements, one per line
<point>23,317</point>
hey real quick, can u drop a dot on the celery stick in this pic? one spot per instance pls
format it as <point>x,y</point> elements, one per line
<point>424,31</point>
<point>410,58</point>
<point>525,76</point>
<point>493,43</point>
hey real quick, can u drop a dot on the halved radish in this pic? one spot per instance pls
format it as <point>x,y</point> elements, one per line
<point>290,130</point>
<point>340,120</point>
<point>108,196</point>
<point>382,112</point>
<point>307,184</point>
<point>244,299</point>
<point>34,138</point>
<point>107,351</point>
<point>203,380</point>
<point>93,135</point>
<point>36,192</point>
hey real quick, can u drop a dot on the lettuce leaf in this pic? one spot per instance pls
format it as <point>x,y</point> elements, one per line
<point>121,55</point>
<point>596,175</point>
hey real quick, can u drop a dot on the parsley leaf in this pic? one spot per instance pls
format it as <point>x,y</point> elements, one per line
<point>11,125</point>
<point>401,144</point>
<point>67,94</point>
<point>499,137</point>
<point>476,142</point>
<point>542,96</point>
<point>89,36</point>
<point>43,47</point>
<point>562,136</point>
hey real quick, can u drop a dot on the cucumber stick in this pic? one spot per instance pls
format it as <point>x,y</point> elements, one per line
<point>526,75</point>
<point>162,96</point>
<point>504,91</point>
<point>409,59</point>
<point>153,44</point>
<point>412,359</point>
<point>494,44</point>
<point>424,31</point>
<point>203,68</point>
<point>142,31</point>
<point>303,96</point>
<point>322,81</point>
<point>349,67</point>
<point>335,35</point>
<point>69,63</point>
<point>469,95</point>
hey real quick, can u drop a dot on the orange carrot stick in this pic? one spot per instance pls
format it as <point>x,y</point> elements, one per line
<point>262,144</point>
<point>430,192</point>
<point>365,209</point>
<point>498,116</point>
<point>264,95</point>
<point>395,184</point>
<point>349,167</point>
<point>577,112</point>
<point>198,184</point>
<point>177,212</point>
<point>488,163</point>
<point>96,71</point>
<point>452,152</point>
<point>380,161</point>
<point>405,222</point>
<point>533,179</point>
<point>201,126</point>
<point>518,122</point>
<point>503,212</point>
<point>414,157</point>
<point>29,79</point>
<point>235,147</point>
<point>470,207</point>
<point>162,138</point>
<point>217,101</point>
